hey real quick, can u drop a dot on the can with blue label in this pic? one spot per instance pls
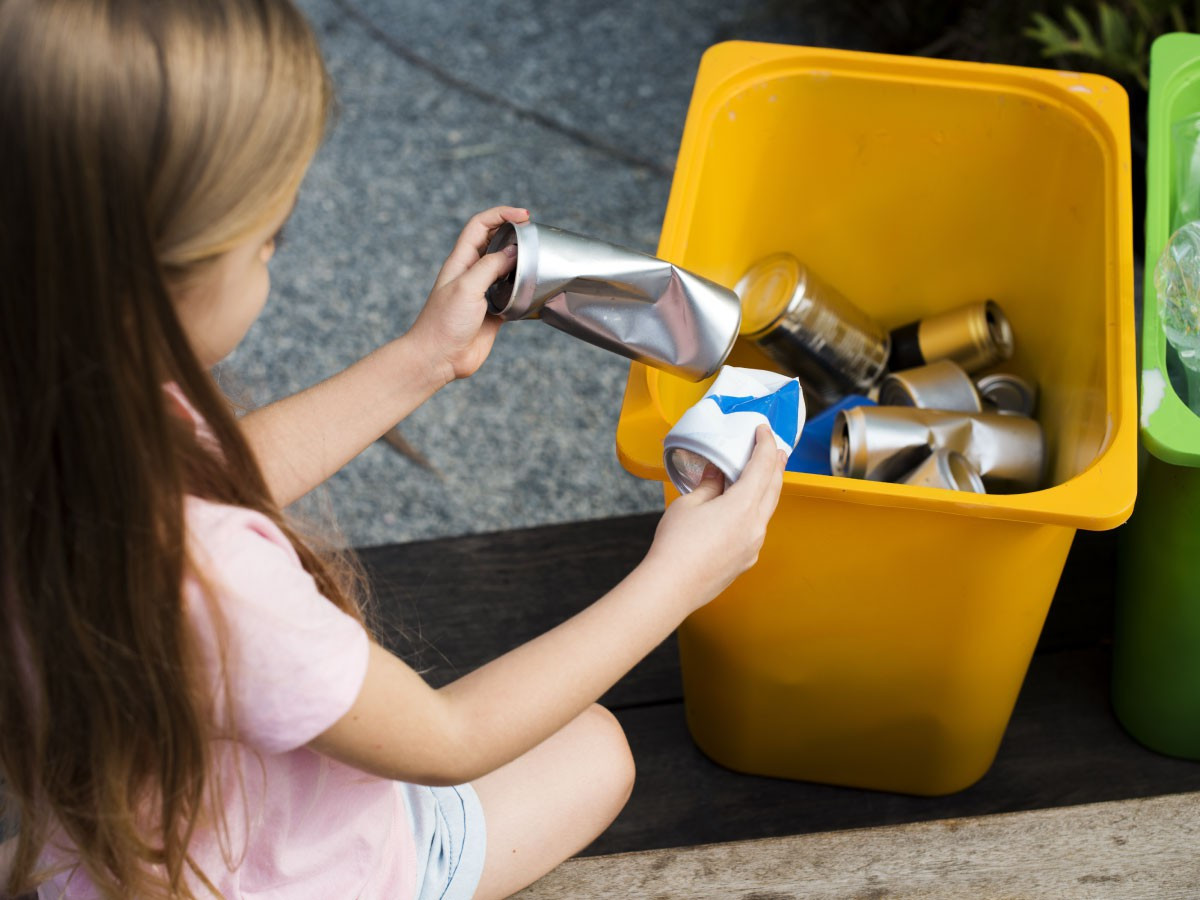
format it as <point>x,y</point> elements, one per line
<point>720,428</point>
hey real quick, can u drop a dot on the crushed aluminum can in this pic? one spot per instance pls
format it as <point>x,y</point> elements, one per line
<point>1008,394</point>
<point>720,427</point>
<point>810,329</point>
<point>883,443</point>
<point>975,336</point>
<point>939,385</point>
<point>947,469</point>
<point>812,450</point>
<point>639,307</point>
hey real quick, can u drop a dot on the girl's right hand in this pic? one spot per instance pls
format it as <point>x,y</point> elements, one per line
<point>709,537</point>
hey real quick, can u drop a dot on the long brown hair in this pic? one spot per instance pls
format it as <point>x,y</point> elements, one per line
<point>140,140</point>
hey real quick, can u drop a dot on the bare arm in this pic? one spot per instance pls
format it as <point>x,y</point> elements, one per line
<point>303,439</point>
<point>400,728</point>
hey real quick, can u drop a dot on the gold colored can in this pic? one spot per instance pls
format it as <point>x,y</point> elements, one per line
<point>810,329</point>
<point>975,336</point>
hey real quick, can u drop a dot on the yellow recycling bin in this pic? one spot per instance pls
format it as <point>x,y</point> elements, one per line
<point>883,636</point>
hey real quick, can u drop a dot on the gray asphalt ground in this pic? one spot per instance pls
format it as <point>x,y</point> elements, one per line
<point>572,109</point>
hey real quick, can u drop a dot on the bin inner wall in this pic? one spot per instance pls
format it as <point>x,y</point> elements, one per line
<point>911,196</point>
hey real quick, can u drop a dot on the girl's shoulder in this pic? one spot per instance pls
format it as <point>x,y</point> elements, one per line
<point>222,531</point>
<point>295,662</point>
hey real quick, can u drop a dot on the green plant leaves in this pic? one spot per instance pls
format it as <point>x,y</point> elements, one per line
<point>1118,42</point>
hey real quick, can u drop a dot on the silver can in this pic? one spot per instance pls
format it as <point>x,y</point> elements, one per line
<point>947,469</point>
<point>1008,394</point>
<point>633,304</point>
<point>721,427</point>
<point>810,329</point>
<point>939,385</point>
<point>883,443</point>
<point>975,336</point>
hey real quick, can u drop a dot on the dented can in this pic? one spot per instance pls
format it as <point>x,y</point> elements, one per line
<point>635,305</point>
<point>810,329</point>
<point>883,443</point>
<point>975,336</point>
<point>720,428</point>
<point>939,385</point>
<point>947,469</point>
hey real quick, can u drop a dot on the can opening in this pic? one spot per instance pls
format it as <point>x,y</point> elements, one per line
<point>839,447</point>
<point>686,468</point>
<point>499,294</point>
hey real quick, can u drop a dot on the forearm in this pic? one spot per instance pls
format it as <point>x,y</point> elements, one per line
<point>519,699</point>
<point>303,439</point>
<point>400,728</point>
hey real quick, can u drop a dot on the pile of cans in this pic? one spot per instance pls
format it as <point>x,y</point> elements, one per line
<point>936,421</point>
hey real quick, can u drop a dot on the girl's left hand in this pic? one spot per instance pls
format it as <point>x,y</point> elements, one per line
<point>454,327</point>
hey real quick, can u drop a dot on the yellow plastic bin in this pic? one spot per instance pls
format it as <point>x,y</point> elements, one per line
<point>883,636</point>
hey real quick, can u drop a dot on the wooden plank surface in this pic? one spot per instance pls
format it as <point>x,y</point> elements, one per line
<point>450,605</point>
<point>1124,850</point>
<point>1063,747</point>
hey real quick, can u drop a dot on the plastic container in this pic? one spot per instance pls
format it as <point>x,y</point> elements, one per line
<point>883,636</point>
<point>1156,648</point>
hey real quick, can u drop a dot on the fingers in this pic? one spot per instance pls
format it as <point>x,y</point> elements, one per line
<point>487,269</point>
<point>473,240</point>
<point>770,498</point>
<point>761,481</point>
<point>763,464</point>
<point>712,484</point>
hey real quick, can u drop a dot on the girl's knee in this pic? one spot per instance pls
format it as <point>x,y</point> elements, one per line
<point>609,756</point>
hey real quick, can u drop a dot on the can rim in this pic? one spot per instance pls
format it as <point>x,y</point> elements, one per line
<point>989,386</point>
<point>714,455</point>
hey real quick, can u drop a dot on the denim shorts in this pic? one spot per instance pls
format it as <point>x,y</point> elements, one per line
<point>451,840</point>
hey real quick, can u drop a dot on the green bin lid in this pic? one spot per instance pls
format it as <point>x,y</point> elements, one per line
<point>1170,430</point>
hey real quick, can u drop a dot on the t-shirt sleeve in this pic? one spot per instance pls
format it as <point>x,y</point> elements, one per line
<point>293,662</point>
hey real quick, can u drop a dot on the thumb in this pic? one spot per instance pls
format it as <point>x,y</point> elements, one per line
<point>712,484</point>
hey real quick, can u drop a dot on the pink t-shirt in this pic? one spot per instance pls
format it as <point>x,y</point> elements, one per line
<point>302,824</point>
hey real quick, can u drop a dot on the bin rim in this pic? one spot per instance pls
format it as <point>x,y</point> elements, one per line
<point>1098,498</point>
<point>1170,430</point>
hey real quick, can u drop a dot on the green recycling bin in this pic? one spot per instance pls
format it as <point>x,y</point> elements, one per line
<point>1156,650</point>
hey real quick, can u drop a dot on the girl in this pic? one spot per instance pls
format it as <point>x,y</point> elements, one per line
<point>189,702</point>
